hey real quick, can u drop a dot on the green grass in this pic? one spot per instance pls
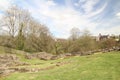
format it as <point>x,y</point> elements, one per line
<point>2,50</point>
<point>93,67</point>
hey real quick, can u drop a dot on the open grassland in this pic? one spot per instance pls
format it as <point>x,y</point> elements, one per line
<point>92,67</point>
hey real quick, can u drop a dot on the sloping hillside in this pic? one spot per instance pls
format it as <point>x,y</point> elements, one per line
<point>93,67</point>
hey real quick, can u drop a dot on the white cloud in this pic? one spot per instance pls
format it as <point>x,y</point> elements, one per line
<point>51,3</point>
<point>89,5</point>
<point>98,11</point>
<point>112,30</point>
<point>118,14</point>
<point>76,4</point>
<point>82,1</point>
<point>61,18</point>
<point>4,4</point>
<point>65,19</point>
<point>0,16</point>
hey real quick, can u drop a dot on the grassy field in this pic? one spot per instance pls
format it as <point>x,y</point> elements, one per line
<point>93,67</point>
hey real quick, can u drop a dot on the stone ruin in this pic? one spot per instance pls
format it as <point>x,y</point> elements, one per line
<point>47,56</point>
<point>7,61</point>
<point>40,55</point>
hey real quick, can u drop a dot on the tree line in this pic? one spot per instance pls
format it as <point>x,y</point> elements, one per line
<point>19,30</point>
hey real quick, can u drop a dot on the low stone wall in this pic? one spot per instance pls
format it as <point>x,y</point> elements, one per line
<point>9,60</point>
<point>40,55</point>
<point>48,56</point>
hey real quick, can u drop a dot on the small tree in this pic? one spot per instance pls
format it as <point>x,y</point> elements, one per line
<point>108,43</point>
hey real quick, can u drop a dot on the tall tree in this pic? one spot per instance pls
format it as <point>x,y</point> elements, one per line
<point>15,23</point>
<point>39,37</point>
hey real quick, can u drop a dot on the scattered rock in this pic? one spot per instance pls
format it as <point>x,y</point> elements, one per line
<point>8,57</point>
<point>54,57</point>
<point>61,63</point>
<point>40,55</point>
<point>8,60</point>
<point>44,56</point>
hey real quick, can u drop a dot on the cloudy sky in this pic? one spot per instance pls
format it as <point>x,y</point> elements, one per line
<point>98,16</point>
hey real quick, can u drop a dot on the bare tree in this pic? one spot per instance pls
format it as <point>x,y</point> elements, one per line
<point>75,33</point>
<point>15,22</point>
<point>39,37</point>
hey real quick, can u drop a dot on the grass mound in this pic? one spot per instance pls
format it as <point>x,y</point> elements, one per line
<point>92,67</point>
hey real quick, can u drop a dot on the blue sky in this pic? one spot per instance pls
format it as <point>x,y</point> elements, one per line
<point>98,16</point>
